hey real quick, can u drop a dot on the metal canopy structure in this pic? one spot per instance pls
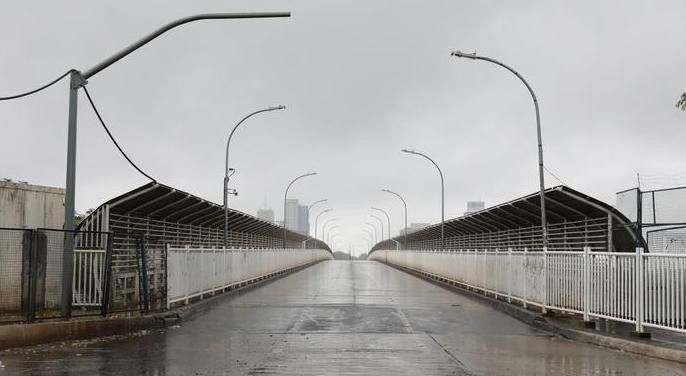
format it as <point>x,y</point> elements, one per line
<point>571,215</point>
<point>164,204</point>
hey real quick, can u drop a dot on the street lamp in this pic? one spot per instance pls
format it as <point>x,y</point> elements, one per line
<point>380,222</point>
<point>371,237</point>
<point>226,170</point>
<point>405,205</point>
<point>317,218</point>
<point>541,179</point>
<point>442,192</point>
<point>388,218</point>
<point>376,238</point>
<point>324,226</point>
<point>78,80</point>
<point>285,197</point>
<point>328,234</point>
<point>310,208</point>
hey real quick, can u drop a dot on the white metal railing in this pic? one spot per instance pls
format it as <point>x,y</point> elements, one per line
<point>644,289</point>
<point>195,272</point>
<point>89,271</point>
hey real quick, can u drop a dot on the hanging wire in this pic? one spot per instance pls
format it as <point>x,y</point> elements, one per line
<point>97,113</point>
<point>554,176</point>
<point>39,89</point>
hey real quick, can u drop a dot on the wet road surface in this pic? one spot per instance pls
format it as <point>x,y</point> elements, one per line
<point>339,318</point>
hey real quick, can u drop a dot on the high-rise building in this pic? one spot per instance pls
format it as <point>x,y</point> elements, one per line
<point>266,215</point>
<point>292,214</point>
<point>297,216</point>
<point>303,220</point>
<point>474,206</point>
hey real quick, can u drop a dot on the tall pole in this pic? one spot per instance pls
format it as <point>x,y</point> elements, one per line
<point>380,222</point>
<point>376,239</point>
<point>388,218</point>
<point>442,193</point>
<point>371,237</point>
<point>226,170</point>
<point>405,205</point>
<point>309,208</point>
<point>77,80</point>
<point>328,233</point>
<point>317,219</point>
<point>541,178</point>
<point>285,198</point>
<point>324,226</point>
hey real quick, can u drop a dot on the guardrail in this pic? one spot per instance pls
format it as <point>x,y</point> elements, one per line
<point>89,273</point>
<point>644,289</point>
<point>195,272</point>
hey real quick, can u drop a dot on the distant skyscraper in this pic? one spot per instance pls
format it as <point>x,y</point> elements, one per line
<point>303,220</point>
<point>266,215</point>
<point>297,216</point>
<point>292,209</point>
<point>474,206</point>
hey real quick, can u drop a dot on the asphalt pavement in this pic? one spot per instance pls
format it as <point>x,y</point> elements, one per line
<point>338,318</point>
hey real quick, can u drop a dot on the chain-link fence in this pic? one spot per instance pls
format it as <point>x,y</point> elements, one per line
<point>12,243</point>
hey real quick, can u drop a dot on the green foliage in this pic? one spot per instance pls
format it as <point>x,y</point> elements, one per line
<point>682,102</point>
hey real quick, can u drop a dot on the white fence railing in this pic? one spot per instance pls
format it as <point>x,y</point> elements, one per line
<point>193,272</point>
<point>89,271</point>
<point>645,289</point>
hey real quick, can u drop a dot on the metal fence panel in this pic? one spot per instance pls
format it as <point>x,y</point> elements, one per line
<point>196,272</point>
<point>645,289</point>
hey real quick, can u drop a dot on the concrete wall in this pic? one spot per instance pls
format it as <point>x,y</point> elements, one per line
<point>24,205</point>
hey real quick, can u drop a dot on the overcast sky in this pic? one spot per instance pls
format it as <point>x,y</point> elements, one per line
<point>361,80</point>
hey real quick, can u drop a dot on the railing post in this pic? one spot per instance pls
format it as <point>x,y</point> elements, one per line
<point>544,303</point>
<point>526,278</point>
<point>187,279</point>
<point>640,291</point>
<point>587,287</point>
<point>509,275</point>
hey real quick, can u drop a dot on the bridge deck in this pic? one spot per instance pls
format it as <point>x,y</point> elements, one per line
<point>339,317</point>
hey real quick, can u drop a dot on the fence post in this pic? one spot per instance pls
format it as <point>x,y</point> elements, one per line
<point>587,288</point>
<point>186,278</point>
<point>640,291</point>
<point>509,274</point>
<point>526,277</point>
<point>143,283</point>
<point>107,280</point>
<point>544,303</point>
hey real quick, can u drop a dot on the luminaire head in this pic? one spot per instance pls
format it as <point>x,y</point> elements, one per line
<point>274,108</point>
<point>459,53</point>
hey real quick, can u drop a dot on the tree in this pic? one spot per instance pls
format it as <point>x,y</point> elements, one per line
<point>682,102</point>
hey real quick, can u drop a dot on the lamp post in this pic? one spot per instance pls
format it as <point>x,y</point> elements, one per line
<point>317,219</point>
<point>442,192</point>
<point>78,80</point>
<point>324,226</point>
<point>405,205</point>
<point>541,178</point>
<point>309,207</point>
<point>380,222</point>
<point>285,197</point>
<point>371,237</point>
<point>328,233</point>
<point>226,169</point>
<point>388,218</point>
<point>376,239</point>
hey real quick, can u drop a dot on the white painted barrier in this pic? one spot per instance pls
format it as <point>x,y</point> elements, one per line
<point>89,271</point>
<point>195,272</point>
<point>644,289</point>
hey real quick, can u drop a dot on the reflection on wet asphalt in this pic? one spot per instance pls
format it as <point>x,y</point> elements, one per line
<point>340,318</point>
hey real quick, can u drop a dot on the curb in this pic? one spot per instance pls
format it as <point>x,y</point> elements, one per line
<point>640,347</point>
<point>17,335</point>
